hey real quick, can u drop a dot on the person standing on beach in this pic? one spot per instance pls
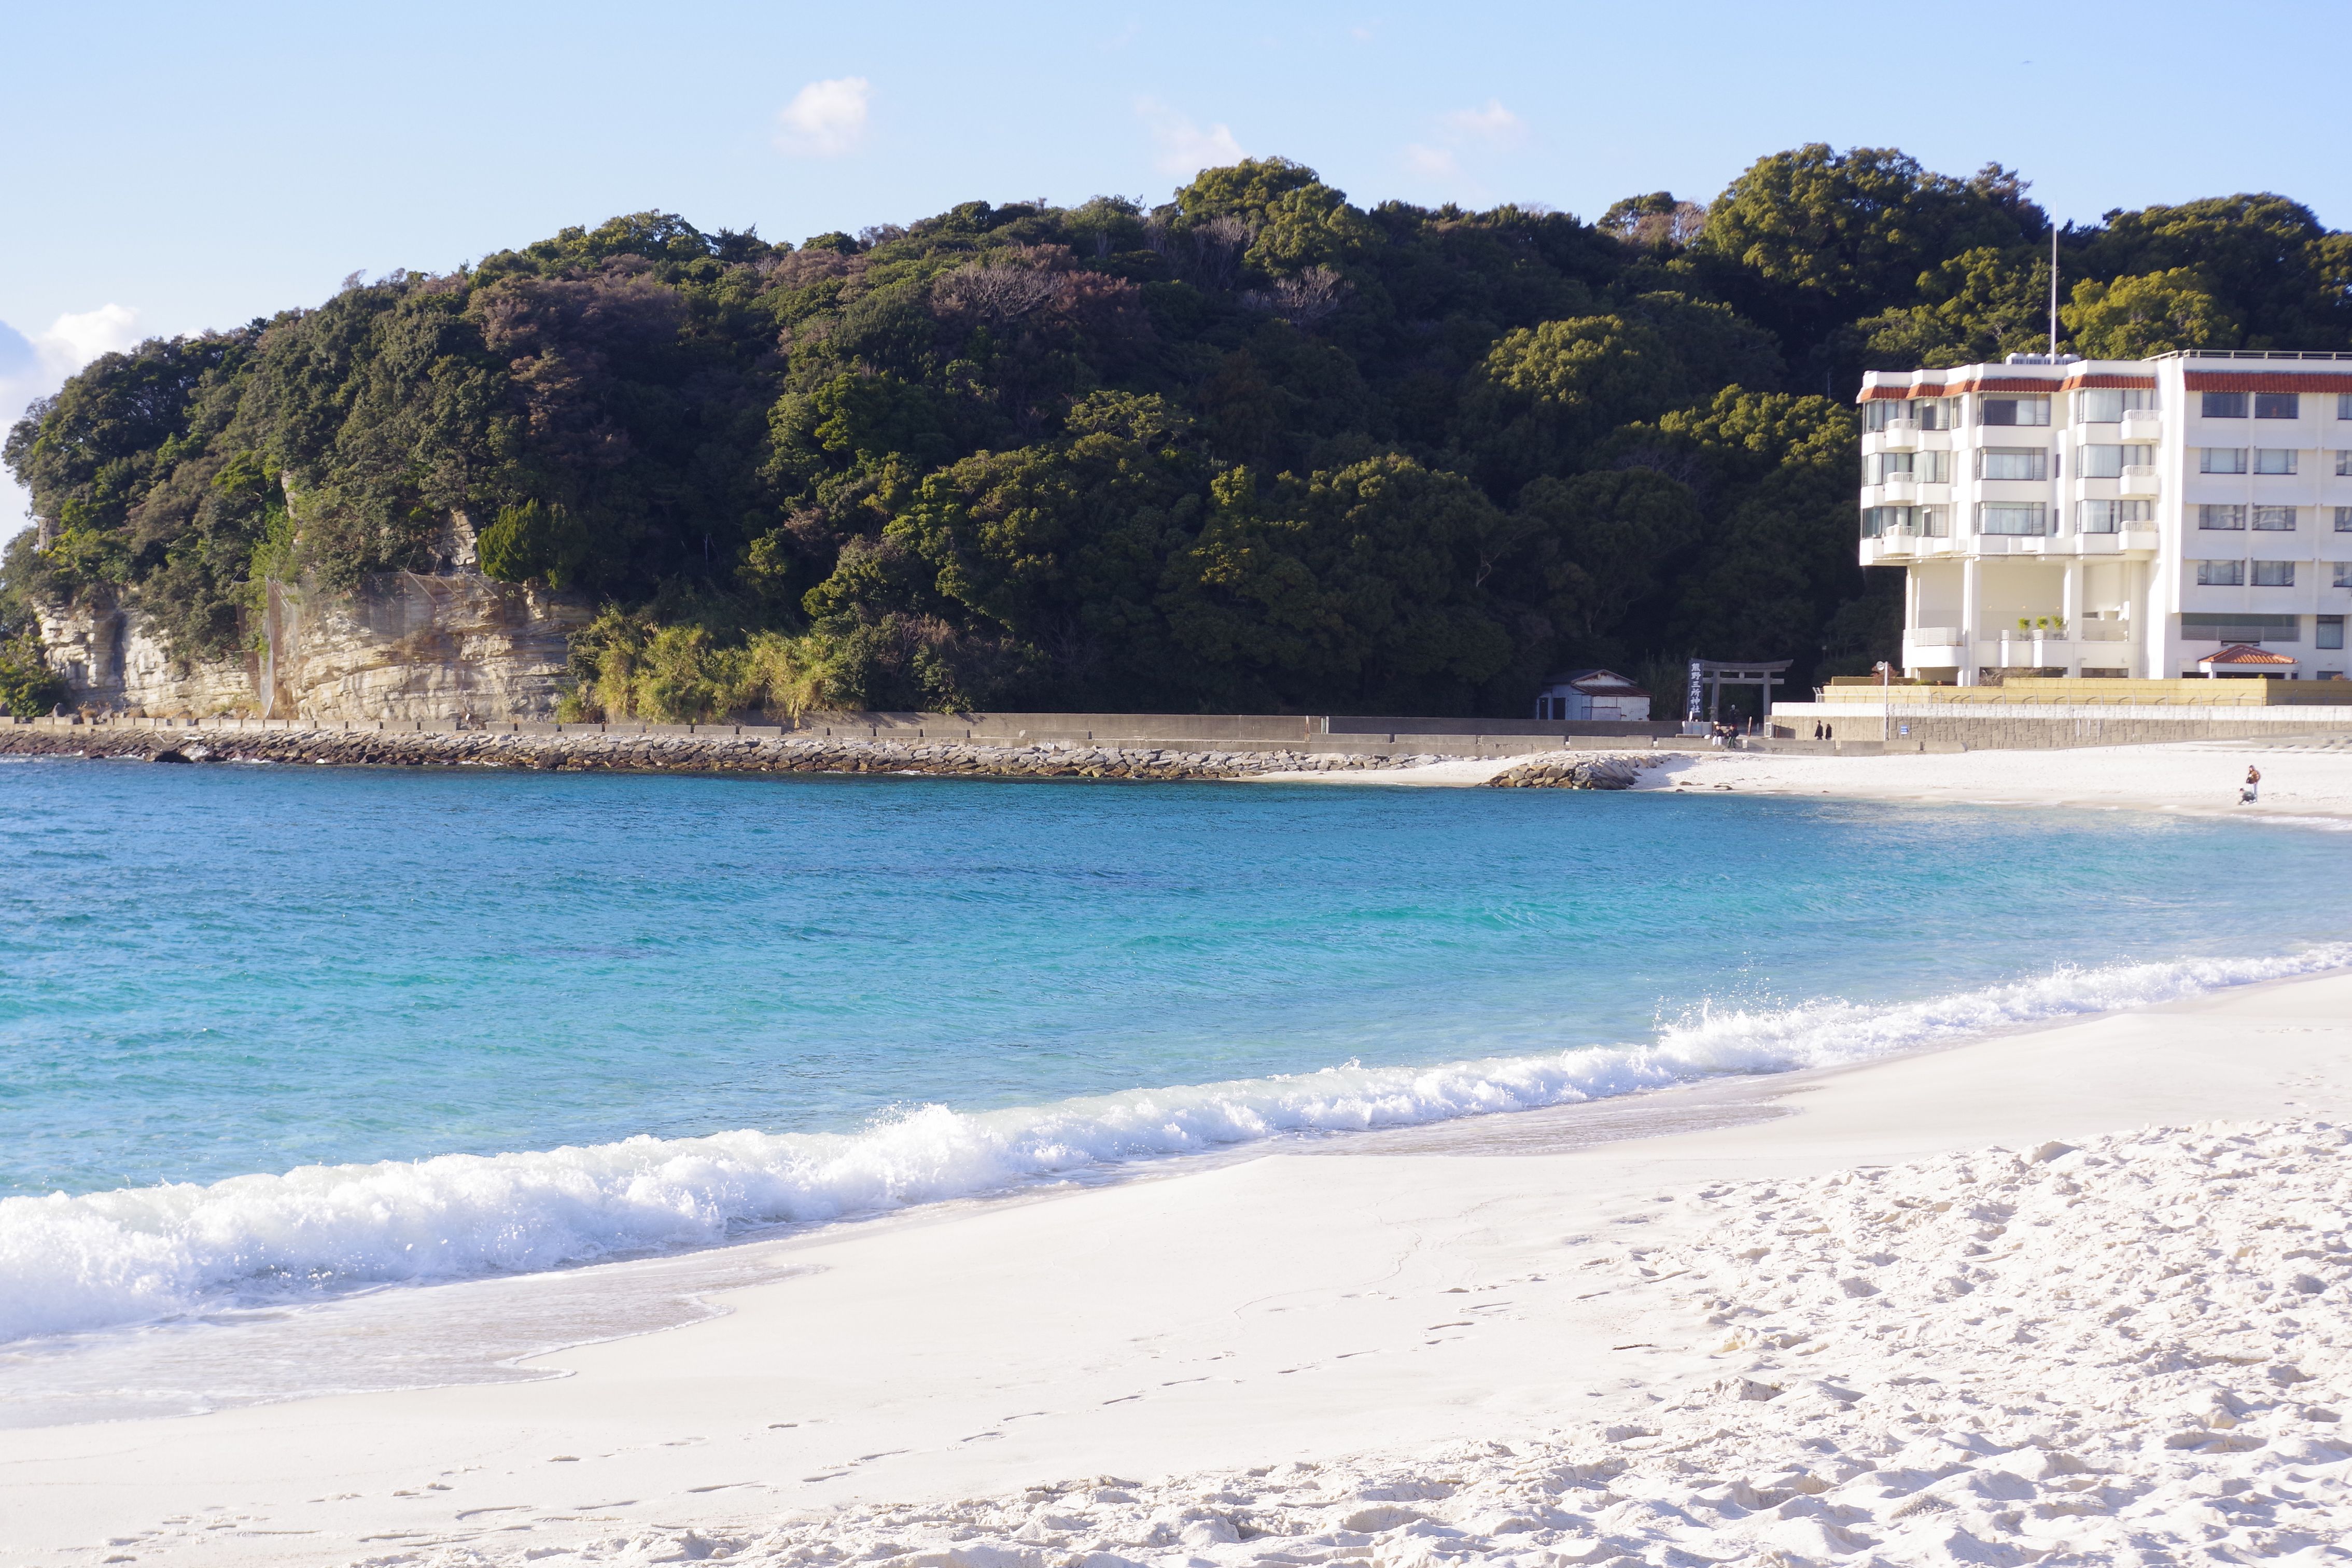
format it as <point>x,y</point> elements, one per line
<point>2253,785</point>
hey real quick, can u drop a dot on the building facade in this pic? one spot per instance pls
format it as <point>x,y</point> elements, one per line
<point>1589,695</point>
<point>2125,517</point>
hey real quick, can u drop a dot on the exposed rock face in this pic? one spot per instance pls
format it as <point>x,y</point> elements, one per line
<point>114,658</point>
<point>401,647</point>
<point>411,646</point>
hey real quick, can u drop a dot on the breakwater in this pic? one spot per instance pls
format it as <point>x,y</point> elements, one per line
<point>715,753</point>
<point>877,748</point>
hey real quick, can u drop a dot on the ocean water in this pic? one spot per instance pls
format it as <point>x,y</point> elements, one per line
<point>275,1041</point>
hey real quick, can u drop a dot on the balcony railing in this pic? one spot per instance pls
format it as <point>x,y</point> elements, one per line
<point>1934,637</point>
<point>2142,427</point>
<point>2138,479</point>
<point>2102,631</point>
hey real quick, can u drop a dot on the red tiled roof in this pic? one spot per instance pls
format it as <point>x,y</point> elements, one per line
<point>2239,653</point>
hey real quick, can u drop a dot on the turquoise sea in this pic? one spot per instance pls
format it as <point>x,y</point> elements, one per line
<point>274,1037</point>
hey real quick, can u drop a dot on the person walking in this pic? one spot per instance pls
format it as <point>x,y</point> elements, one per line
<point>2247,796</point>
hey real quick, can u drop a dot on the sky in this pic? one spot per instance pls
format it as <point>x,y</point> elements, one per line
<point>167,168</point>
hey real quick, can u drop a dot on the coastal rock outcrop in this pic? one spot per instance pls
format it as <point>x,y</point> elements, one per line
<point>1609,771</point>
<point>401,645</point>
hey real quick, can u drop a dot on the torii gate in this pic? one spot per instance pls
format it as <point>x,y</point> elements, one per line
<point>1708,677</point>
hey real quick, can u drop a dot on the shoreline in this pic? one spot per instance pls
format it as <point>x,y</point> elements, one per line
<point>1275,1307</point>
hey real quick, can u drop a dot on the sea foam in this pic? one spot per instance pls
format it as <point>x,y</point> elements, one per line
<point>147,1254</point>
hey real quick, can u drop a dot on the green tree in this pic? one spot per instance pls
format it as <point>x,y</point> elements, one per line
<point>2133,318</point>
<point>1806,238</point>
<point>533,543</point>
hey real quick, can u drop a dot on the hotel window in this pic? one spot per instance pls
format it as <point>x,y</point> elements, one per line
<point>2013,463</point>
<point>2217,518</point>
<point>2109,462</point>
<point>2017,520</point>
<point>2278,406</point>
<point>2013,411</point>
<point>1936,413</point>
<point>2111,516</point>
<point>2274,459</point>
<point>2274,520</point>
<point>2274,573</point>
<point>2344,519</point>
<point>2329,632</point>
<point>2344,465</point>
<point>2342,574</point>
<point>2223,405</point>
<point>2108,404</point>
<point>1877,412</point>
<point>2221,573</point>
<point>2221,460</point>
<point>2344,405</point>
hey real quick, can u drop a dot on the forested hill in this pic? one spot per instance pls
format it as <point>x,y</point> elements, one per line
<point>1254,449</point>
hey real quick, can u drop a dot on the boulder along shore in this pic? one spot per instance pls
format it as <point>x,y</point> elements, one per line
<point>608,752</point>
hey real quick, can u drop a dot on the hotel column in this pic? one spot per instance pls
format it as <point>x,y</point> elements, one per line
<point>2070,610</point>
<point>1910,614</point>
<point>1969,569</point>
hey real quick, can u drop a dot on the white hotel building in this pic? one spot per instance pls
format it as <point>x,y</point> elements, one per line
<point>2122,517</point>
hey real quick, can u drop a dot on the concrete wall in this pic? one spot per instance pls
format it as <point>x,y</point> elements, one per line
<point>2034,726</point>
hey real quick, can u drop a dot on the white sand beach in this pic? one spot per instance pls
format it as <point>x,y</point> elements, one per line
<point>2082,1293</point>
<point>2309,779</point>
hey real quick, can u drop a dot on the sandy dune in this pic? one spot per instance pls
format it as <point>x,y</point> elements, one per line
<point>1449,1325</point>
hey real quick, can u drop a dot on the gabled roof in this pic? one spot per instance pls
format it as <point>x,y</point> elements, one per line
<point>1596,682</point>
<point>2242,653</point>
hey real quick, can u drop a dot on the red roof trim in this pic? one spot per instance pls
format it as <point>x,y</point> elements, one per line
<point>2240,653</point>
<point>2265,381</point>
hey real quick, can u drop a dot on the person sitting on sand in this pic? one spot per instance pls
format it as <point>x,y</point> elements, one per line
<point>2253,785</point>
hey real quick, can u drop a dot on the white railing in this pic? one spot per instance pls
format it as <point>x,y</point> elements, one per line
<point>1935,637</point>
<point>2248,353</point>
<point>2139,478</point>
<point>2103,631</point>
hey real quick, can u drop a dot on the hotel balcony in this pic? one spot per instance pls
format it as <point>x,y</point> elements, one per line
<point>2131,540</point>
<point>1899,436</point>
<point>1897,546</point>
<point>2142,427</point>
<point>2138,479</point>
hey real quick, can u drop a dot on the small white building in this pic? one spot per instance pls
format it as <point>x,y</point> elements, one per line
<point>1589,695</point>
<point>2127,518</point>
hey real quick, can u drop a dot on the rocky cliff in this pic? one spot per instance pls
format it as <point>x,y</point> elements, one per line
<point>402,645</point>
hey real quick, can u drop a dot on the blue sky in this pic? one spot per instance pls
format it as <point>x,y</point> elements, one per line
<point>168,168</point>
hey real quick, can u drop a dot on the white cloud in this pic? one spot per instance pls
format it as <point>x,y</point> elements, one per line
<point>824,119</point>
<point>36,366</point>
<point>1466,143</point>
<point>1494,125</point>
<point>1184,148</point>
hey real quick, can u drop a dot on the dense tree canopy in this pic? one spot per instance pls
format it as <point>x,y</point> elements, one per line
<point>1255,448</point>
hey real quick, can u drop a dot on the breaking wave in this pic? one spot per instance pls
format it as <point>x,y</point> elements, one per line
<point>147,1254</point>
